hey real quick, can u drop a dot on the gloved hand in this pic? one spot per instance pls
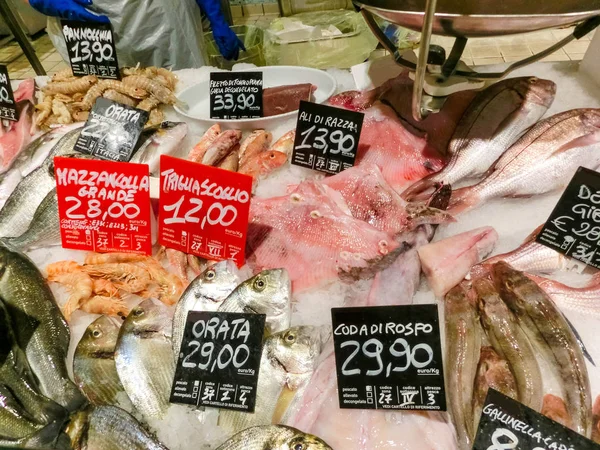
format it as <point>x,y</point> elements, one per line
<point>227,41</point>
<point>67,9</point>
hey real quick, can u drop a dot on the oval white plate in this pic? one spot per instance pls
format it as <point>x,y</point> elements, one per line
<point>198,105</point>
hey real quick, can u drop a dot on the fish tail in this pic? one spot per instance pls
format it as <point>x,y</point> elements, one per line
<point>463,200</point>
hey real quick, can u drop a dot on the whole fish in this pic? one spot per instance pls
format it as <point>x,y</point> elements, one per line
<point>286,366</point>
<point>285,143</point>
<point>494,120</point>
<point>144,358</point>
<point>94,366</point>
<point>163,139</point>
<point>510,342</point>
<point>205,293</point>
<point>18,211</point>
<point>230,162</point>
<point>543,160</point>
<point>221,147</point>
<point>553,338</point>
<point>14,421</point>
<point>270,293</point>
<point>16,376</point>
<point>584,300</point>
<point>262,164</point>
<point>40,328</point>
<point>48,437</point>
<point>274,437</point>
<point>197,153</point>
<point>463,342</point>
<point>111,428</point>
<point>492,372</point>
<point>44,229</point>
<point>256,142</point>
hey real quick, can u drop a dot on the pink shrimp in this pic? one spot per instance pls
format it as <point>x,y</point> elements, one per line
<point>104,258</point>
<point>79,284</point>
<point>105,287</point>
<point>125,276</point>
<point>100,304</point>
<point>170,285</point>
<point>62,267</point>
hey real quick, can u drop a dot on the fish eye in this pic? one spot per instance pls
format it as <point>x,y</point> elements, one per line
<point>210,274</point>
<point>96,333</point>
<point>138,312</point>
<point>260,284</point>
<point>272,155</point>
<point>298,447</point>
<point>290,337</point>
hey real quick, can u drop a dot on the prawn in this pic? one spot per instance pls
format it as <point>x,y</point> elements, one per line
<point>116,96</point>
<point>170,285</point>
<point>148,103</point>
<point>44,109</point>
<point>105,287</point>
<point>62,75</point>
<point>125,276</point>
<point>62,267</point>
<point>156,89</point>
<point>103,258</point>
<point>70,87</point>
<point>79,284</point>
<point>60,110</point>
<point>81,116</point>
<point>100,304</point>
<point>178,261</point>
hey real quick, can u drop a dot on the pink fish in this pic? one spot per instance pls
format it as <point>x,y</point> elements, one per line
<point>199,150</point>
<point>262,164</point>
<point>447,262</point>
<point>307,233</point>
<point>18,134</point>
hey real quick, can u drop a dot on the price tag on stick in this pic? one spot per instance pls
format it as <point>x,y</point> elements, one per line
<point>91,48</point>
<point>8,106</point>
<point>236,95</point>
<point>507,424</point>
<point>573,227</point>
<point>326,137</point>
<point>111,131</point>
<point>219,360</point>
<point>203,210</point>
<point>389,357</point>
<point>103,206</point>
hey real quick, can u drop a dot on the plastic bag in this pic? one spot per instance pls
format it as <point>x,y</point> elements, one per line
<point>159,33</point>
<point>352,46</point>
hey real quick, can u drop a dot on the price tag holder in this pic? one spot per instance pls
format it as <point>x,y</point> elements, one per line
<point>219,360</point>
<point>103,206</point>
<point>506,424</point>
<point>8,106</point>
<point>91,49</point>
<point>111,131</point>
<point>203,210</point>
<point>389,357</point>
<point>326,137</point>
<point>236,95</point>
<point>573,227</point>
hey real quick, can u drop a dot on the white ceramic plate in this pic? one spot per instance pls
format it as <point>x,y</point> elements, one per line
<point>197,99</point>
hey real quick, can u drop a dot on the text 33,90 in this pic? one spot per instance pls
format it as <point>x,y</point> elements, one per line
<point>226,101</point>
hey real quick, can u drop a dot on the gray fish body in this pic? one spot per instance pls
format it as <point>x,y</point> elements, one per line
<point>205,293</point>
<point>273,437</point>
<point>19,209</point>
<point>39,326</point>
<point>144,358</point>
<point>44,230</point>
<point>94,366</point>
<point>288,361</point>
<point>268,292</point>
<point>48,437</point>
<point>14,421</point>
<point>164,139</point>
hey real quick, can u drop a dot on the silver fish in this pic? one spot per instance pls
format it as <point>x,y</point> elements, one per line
<point>274,437</point>
<point>268,292</point>
<point>288,361</point>
<point>144,358</point>
<point>164,139</point>
<point>44,230</point>
<point>40,328</point>
<point>18,211</point>
<point>14,421</point>
<point>94,366</point>
<point>48,437</point>
<point>494,120</point>
<point>543,160</point>
<point>205,293</point>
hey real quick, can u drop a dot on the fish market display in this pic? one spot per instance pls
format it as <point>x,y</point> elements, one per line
<point>268,292</point>
<point>286,366</point>
<point>543,160</point>
<point>585,300</point>
<point>15,136</point>
<point>205,293</point>
<point>494,120</point>
<point>94,364</point>
<point>273,437</point>
<point>144,358</point>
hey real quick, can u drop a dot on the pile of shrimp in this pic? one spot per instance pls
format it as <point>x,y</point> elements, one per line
<point>100,285</point>
<point>67,99</point>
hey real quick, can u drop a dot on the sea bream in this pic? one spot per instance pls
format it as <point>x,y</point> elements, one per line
<point>307,233</point>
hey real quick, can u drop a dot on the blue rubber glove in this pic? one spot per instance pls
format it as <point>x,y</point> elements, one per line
<point>227,41</point>
<point>67,9</point>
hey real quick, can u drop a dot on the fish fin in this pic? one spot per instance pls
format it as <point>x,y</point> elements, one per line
<point>416,191</point>
<point>463,200</point>
<point>286,397</point>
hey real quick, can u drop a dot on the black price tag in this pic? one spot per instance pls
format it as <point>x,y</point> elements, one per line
<point>8,106</point>
<point>326,137</point>
<point>573,228</point>
<point>389,357</point>
<point>111,131</point>
<point>219,360</point>
<point>506,424</point>
<point>91,48</point>
<point>236,95</point>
